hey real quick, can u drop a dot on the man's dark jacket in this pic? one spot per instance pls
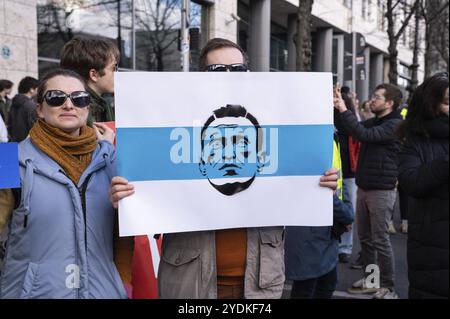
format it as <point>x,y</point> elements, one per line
<point>377,162</point>
<point>21,117</point>
<point>100,109</point>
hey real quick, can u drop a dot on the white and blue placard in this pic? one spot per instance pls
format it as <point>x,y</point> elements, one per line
<point>223,150</point>
<point>9,165</point>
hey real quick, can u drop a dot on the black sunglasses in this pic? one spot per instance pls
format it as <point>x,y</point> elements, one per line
<point>56,98</point>
<point>238,67</point>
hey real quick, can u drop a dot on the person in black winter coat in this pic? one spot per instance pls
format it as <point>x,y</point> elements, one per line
<point>23,110</point>
<point>424,175</point>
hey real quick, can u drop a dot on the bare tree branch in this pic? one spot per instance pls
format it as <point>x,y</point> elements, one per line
<point>405,23</point>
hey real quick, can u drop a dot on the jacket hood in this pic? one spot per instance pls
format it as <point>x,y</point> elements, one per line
<point>28,152</point>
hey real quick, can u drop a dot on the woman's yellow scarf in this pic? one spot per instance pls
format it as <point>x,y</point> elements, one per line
<point>72,153</point>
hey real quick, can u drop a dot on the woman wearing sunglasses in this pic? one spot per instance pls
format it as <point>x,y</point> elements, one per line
<point>60,242</point>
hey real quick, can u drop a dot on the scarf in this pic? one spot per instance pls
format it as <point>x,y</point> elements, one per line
<point>72,153</point>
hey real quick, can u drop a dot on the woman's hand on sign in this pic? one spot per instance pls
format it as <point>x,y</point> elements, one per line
<point>120,188</point>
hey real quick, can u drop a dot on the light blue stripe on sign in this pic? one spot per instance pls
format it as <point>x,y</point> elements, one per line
<point>146,154</point>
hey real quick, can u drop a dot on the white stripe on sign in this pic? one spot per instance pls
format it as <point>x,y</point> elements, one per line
<point>144,99</point>
<point>302,196</point>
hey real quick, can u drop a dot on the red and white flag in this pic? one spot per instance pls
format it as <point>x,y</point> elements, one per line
<point>147,254</point>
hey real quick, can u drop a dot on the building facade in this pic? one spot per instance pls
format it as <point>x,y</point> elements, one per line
<point>349,36</point>
<point>18,40</point>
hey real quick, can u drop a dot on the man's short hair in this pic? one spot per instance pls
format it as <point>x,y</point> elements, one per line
<point>234,111</point>
<point>216,44</point>
<point>392,93</point>
<point>26,84</point>
<point>5,84</point>
<point>83,54</point>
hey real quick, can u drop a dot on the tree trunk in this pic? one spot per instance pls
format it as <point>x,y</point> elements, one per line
<point>415,65</point>
<point>303,40</point>
<point>393,63</point>
<point>393,41</point>
<point>394,35</point>
<point>160,60</point>
<point>119,28</point>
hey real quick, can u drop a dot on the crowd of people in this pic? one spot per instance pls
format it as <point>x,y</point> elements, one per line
<point>59,233</point>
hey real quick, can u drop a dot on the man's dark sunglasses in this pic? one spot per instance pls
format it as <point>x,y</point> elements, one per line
<point>239,67</point>
<point>57,98</point>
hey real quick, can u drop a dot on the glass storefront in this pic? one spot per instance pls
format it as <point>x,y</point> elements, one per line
<point>155,28</point>
<point>278,39</point>
<point>278,48</point>
<point>243,26</point>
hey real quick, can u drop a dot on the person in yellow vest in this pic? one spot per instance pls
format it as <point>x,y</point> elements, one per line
<point>404,112</point>
<point>349,152</point>
<point>337,163</point>
<point>402,197</point>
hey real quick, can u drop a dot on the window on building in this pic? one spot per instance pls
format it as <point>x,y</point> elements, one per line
<point>334,65</point>
<point>243,26</point>
<point>366,9</point>
<point>156,28</point>
<point>381,9</point>
<point>278,39</point>
<point>278,48</point>
<point>348,3</point>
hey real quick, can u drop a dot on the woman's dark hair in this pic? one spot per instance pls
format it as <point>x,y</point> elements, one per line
<point>424,105</point>
<point>51,74</point>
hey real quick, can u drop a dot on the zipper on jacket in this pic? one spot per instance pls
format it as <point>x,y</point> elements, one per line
<point>75,233</point>
<point>82,193</point>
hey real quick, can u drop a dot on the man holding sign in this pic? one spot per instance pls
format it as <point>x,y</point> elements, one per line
<point>231,263</point>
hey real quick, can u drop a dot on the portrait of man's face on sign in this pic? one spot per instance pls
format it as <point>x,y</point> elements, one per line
<point>231,145</point>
